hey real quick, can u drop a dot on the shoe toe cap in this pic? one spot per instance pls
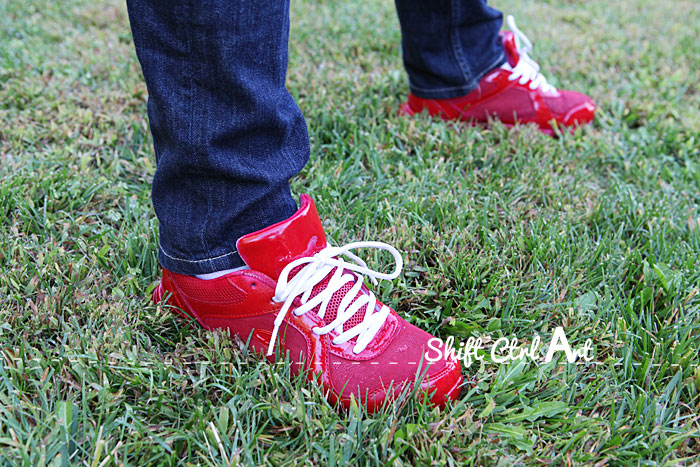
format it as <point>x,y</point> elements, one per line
<point>572,108</point>
<point>384,377</point>
<point>444,384</point>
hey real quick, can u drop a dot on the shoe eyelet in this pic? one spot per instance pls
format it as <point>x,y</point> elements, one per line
<point>253,284</point>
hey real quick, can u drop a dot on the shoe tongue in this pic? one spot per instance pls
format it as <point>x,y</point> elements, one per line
<point>269,250</point>
<point>510,47</point>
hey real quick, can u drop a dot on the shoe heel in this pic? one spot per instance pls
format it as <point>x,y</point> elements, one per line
<point>157,294</point>
<point>405,110</point>
<point>174,306</point>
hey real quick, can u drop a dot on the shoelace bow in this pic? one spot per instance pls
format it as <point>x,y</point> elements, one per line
<point>527,69</point>
<point>316,268</point>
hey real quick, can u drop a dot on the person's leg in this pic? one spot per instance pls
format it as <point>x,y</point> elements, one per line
<point>460,67</point>
<point>449,45</point>
<point>227,134</point>
<point>228,137</point>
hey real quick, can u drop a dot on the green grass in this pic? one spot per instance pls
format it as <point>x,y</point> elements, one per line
<point>504,233</point>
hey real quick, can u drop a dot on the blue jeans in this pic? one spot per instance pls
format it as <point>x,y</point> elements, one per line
<point>227,134</point>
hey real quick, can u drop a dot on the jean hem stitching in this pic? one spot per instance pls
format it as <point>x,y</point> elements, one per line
<point>456,46</point>
<point>452,88</point>
<point>183,260</point>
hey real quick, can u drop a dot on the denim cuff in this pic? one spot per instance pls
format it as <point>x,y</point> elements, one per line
<point>229,260</point>
<point>224,230</point>
<point>458,91</point>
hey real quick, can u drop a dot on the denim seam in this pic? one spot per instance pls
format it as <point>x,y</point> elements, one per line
<point>457,48</point>
<point>191,130</point>
<point>284,40</point>
<point>183,260</point>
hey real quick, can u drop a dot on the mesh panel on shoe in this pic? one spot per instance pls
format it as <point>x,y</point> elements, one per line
<point>332,308</point>
<point>193,288</point>
<point>336,298</point>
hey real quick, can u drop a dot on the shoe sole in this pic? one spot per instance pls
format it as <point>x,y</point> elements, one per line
<point>407,111</point>
<point>191,318</point>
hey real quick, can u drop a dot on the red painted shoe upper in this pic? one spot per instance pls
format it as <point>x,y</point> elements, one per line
<point>269,250</point>
<point>243,302</point>
<point>509,100</point>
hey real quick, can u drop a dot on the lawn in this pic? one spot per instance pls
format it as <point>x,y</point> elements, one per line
<point>504,233</point>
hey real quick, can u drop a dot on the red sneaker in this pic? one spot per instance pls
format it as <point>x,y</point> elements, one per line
<point>300,298</point>
<point>513,93</point>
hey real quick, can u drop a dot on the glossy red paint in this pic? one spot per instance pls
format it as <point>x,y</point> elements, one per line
<point>269,250</point>
<point>242,302</point>
<point>496,97</point>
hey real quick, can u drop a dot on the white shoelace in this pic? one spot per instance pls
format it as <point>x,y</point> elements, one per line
<point>527,69</point>
<point>317,268</point>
